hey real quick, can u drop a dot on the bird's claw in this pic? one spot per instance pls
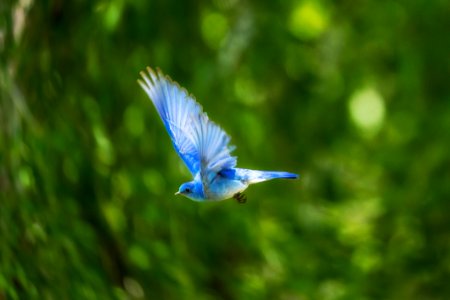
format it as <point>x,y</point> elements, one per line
<point>240,197</point>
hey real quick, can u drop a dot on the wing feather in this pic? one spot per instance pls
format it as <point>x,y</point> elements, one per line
<point>201,144</point>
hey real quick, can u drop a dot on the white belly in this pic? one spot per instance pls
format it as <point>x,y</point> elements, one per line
<point>222,189</point>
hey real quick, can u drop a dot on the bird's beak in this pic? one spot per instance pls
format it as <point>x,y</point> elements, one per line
<point>177,193</point>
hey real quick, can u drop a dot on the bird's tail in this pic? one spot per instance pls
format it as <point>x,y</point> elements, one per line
<point>259,176</point>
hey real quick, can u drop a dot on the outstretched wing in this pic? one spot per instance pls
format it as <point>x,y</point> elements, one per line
<point>203,146</point>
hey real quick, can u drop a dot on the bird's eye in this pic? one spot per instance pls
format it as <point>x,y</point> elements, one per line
<point>187,190</point>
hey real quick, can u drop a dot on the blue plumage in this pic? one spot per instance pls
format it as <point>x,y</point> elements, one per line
<point>201,144</point>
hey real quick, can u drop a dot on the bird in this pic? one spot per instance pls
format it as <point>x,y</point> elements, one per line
<point>203,146</point>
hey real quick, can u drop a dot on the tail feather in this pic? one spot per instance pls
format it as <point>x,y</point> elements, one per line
<point>276,174</point>
<point>253,176</point>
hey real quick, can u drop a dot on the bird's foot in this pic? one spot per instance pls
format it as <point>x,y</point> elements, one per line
<point>240,197</point>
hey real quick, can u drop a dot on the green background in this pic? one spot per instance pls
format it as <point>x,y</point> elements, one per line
<point>352,95</point>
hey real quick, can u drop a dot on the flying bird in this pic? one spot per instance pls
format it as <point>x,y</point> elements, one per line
<point>202,145</point>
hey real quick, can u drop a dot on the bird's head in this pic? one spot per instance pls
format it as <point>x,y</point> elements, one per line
<point>192,190</point>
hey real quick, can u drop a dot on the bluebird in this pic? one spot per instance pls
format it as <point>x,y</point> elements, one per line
<point>202,145</point>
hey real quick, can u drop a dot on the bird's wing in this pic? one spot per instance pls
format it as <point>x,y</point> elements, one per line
<point>203,145</point>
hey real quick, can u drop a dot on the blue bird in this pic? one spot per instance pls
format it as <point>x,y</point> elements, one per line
<point>201,144</point>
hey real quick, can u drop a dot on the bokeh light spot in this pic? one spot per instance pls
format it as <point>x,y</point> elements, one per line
<point>133,288</point>
<point>114,216</point>
<point>122,186</point>
<point>367,110</point>
<point>112,13</point>
<point>104,150</point>
<point>308,20</point>
<point>366,258</point>
<point>138,256</point>
<point>214,29</point>
<point>247,91</point>
<point>25,177</point>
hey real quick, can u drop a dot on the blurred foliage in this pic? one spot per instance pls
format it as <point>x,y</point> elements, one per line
<point>354,96</point>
